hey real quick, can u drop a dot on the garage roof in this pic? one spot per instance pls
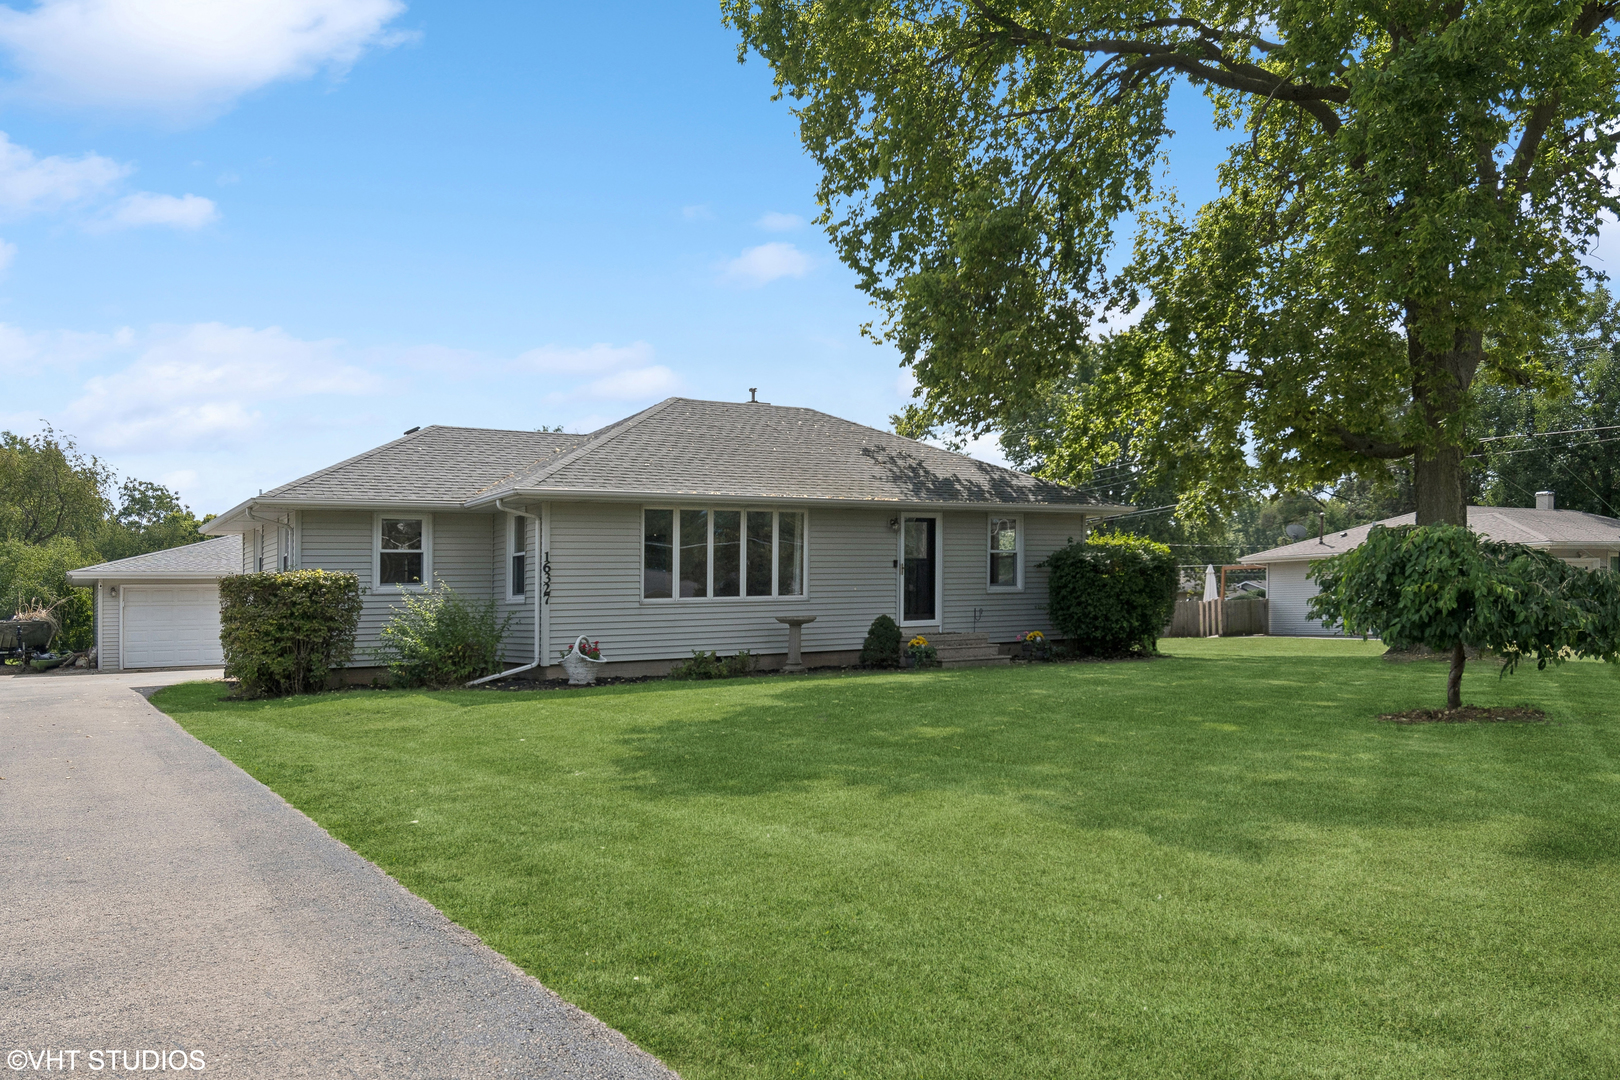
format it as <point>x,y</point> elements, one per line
<point>1506,524</point>
<point>208,559</point>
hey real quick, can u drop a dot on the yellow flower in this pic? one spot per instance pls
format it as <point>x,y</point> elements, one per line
<point>1035,635</point>
<point>917,642</point>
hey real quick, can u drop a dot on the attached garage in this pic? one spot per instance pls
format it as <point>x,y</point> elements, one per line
<point>161,610</point>
<point>171,626</point>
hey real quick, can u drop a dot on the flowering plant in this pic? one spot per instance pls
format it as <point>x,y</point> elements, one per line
<point>590,650</point>
<point>1031,636</point>
<point>922,654</point>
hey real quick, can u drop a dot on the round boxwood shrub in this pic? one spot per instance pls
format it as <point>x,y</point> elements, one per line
<point>882,645</point>
<point>1112,594</point>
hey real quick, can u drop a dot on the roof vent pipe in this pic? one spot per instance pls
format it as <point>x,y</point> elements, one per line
<point>1545,501</point>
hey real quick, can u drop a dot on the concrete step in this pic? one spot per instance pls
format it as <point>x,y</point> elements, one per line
<point>982,661</point>
<point>938,640</point>
<point>966,652</point>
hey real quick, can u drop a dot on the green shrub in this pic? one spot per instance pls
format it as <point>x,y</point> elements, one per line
<point>285,633</point>
<point>31,573</point>
<point>703,665</point>
<point>1111,594</point>
<point>741,664</point>
<point>882,645</point>
<point>439,638</point>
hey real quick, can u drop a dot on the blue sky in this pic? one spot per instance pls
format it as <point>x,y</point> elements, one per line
<point>246,239</point>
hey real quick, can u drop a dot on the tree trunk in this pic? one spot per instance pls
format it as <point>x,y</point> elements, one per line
<point>1459,658</point>
<point>1440,382</point>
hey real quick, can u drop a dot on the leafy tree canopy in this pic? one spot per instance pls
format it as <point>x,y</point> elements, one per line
<point>1566,439</point>
<point>1407,195</point>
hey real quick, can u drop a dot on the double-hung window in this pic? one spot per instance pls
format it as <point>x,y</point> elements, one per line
<point>1006,553</point>
<point>517,548</point>
<point>401,550</point>
<point>703,553</point>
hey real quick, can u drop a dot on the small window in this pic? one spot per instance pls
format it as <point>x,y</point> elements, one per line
<point>517,541</point>
<point>658,555</point>
<point>728,553</point>
<point>1004,552</point>
<point>790,555</point>
<point>400,554</point>
<point>760,538</point>
<point>694,553</point>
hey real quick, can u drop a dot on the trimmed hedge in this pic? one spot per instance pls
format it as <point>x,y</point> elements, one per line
<point>1112,594</point>
<point>284,633</point>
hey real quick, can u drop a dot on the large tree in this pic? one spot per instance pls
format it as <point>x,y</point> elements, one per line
<point>1408,194</point>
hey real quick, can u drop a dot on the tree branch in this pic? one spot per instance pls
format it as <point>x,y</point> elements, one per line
<point>1370,447</point>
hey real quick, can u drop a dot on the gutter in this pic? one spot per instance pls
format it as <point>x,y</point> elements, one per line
<point>666,498</point>
<point>538,658</point>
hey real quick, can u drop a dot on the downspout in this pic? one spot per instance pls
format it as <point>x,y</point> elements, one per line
<point>539,659</point>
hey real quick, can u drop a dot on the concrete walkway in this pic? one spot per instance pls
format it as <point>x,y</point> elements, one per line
<point>154,897</point>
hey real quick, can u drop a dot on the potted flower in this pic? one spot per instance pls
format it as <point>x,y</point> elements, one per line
<point>921,653</point>
<point>1033,646</point>
<point>581,660</point>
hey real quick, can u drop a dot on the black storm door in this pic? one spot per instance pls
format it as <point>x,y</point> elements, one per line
<point>921,549</point>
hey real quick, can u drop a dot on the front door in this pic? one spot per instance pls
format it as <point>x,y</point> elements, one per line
<point>919,595</point>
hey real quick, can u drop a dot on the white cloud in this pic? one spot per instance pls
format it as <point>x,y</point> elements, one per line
<point>774,222</point>
<point>27,353</point>
<point>208,383</point>
<point>145,208</point>
<point>8,251</point>
<point>184,58</point>
<point>637,384</point>
<point>584,362</point>
<point>766,263</point>
<point>29,183</point>
<point>697,212</point>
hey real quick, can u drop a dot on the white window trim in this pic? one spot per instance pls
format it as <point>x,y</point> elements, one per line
<point>939,571</point>
<point>1018,526</point>
<point>376,549</point>
<point>675,556</point>
<point>517,592</point>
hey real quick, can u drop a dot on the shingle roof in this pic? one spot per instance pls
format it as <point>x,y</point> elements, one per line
<point>435,465</point>
<point>1508,524</point>
<point>215,558</point>
<point>681,447</point>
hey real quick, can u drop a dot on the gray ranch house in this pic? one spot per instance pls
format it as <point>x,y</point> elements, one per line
<point>690,525</point>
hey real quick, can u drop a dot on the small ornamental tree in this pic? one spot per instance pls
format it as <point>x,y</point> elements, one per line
<point>1112,594</point>
<point>285,633</point>
<point>1446,588</point>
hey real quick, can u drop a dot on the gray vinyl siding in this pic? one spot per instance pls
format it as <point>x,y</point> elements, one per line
<point>1289,590</point>
<point>107,628</point>
<point>1003,613</point>
<point>519,639</point>
<point>342,540</point>
<point>596,588</point>
<point>850,580</point>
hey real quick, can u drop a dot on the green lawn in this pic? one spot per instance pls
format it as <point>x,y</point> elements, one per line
<point>1217,864</point>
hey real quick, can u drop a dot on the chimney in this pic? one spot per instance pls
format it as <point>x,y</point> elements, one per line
<point>1544,500</point>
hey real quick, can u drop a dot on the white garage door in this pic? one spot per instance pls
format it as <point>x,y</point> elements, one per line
<point>171,626</point>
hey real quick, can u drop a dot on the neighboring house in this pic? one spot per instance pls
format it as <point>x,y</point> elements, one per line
<point>161,610</point>
<point>691,525</point>
<point>1581,539</point>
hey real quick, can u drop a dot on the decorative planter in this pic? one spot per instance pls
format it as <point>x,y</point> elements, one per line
<point>581,668</point>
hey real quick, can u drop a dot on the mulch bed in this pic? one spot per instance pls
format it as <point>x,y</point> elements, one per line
<point>1470,714</point>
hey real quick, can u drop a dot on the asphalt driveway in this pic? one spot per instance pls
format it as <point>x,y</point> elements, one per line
<point>156,900</point>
